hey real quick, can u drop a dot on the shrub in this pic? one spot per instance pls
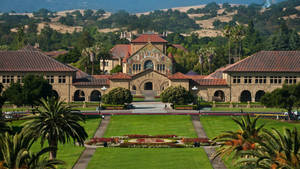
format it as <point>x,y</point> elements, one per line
<point>118,96</point>
<point>177,95</point>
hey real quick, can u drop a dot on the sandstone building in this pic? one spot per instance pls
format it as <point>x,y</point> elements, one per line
<point>148,69</point>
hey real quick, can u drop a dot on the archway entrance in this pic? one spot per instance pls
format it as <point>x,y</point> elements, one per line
<point>148,86</point>
<point>79,95</point>
<point>148,65</point>
<point>245,96</point>
<point>258,95</point>
<point>95,96</point>
<point>219,96</point>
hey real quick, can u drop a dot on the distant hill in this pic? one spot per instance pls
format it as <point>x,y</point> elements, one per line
<point>132,6</point>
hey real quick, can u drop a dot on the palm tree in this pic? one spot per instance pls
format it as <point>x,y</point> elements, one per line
<point>243,139</point>
<point>276,150</point>
<point>228,32</point>
<point>201,53</point>
<point>90,55</point>
<point>238,35</point>
<point>15,153</point>
<point>3,127</point>
<point>55,123</point>
<point>210,54</point>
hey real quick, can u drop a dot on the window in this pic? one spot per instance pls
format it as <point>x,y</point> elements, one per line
<point>50,79</point>
<point>248,79</point>
<point>20,79</point>
<point>290,79</point>
<point>7,79</point>
<point>106,63</point>
<point>164,67</point>
<point>61,79</point>
<point>133,67</point>
<point>275,80</point>
<point>236,79</point>
<point>260,79</point>
<point>139,66</point>
<point>157,67</point>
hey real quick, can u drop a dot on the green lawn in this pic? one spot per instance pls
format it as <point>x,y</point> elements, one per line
<point>248,109</point>
<point>138,99</point>
<point>215,125</point>
<point>151,125</point>
<point>68,152</point>
<point>163,158</point>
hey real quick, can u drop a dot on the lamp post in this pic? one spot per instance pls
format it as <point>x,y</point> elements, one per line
<point>195,88</point>
<point>103,89</point>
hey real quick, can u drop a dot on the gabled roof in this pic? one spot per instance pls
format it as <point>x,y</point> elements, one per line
<point>120,76</point>
<point>147,71</point>
<point>211,82</point>
<point>30,61</point>
<point>268,61</point>
<point>28,47</point>
<point>55,54</point>
<point>120,51</point>
<point>90,81</point>
<point>179,76</point>
<point>218,74</point>
<point>130,55</point>
<point>144,38</point>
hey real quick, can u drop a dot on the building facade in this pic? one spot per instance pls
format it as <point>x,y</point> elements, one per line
<point>148,70</point>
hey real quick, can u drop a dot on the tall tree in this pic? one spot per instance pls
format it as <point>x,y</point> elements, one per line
<point>55,123</point>
<point>14,94</point>
<point>35,88</point>
<point>238,35</point>
<point>228,32</point>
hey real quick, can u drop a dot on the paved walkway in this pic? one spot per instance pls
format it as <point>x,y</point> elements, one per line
<point>88,153</point>
<point>149,107</point>
<point>216,163</point>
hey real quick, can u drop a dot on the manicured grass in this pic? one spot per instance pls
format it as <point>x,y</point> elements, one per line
<point>69,153</point>
<point>215,125</point>
<point>138,99</point>
<point>248,109</point>
<point>163,158</point>
<point>151,125</point>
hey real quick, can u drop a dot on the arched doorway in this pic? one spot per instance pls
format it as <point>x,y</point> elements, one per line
<point>79,95</point>
<point>148,65</point>
<point>133,87</point>
<point>148,86</point>
<point>95,96</point>
<point>54,94</point>
<point>219,96</point>
<point>245,96</point>
<point>259,94</point>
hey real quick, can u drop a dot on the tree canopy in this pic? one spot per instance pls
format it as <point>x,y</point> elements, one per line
<point>177,96</point>
<point>118,96</point>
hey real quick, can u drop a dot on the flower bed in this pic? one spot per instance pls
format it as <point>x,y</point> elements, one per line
<point>185,107</point>
<point>113,107</point>
<point>147,141</point>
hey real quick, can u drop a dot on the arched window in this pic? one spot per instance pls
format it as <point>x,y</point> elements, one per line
<point>54,94</point>
<point>148,65</point>
<point>79,95</point>
<point>148,86</point>
<point>258,95</point>
<point>133,87</point>
<point>245,96</point>
<point>95,96</point>
<point>219,96</point>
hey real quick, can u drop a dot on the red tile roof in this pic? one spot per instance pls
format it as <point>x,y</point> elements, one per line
<point>211,82</point>
<point>196,77</point>
<point>144,38</point>
<point>268,61</point>
<point>178,46</point>
<point>120,51</point>
<point>120,76</point>
<point>178,76</point>
<point>101,76</point>
<point>30,61</point>
<point>55,54</point>
<point>91,82</point>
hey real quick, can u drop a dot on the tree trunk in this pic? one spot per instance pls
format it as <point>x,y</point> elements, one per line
<point>202,69</point>
<point>290,115</point>
<point>92,68</point>
<point>103,64</point>
<point>53,144</point>
<point>229,58</point>
<point>240,50</point>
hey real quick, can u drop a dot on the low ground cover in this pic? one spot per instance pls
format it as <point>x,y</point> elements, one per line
<point>162,158</point>
<point>151,125</point>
